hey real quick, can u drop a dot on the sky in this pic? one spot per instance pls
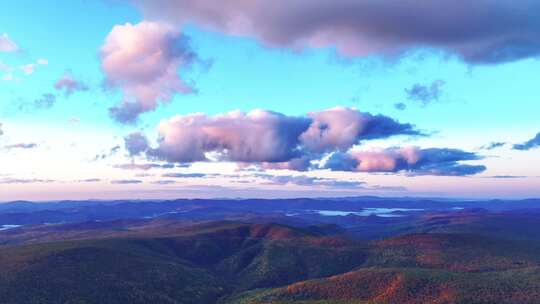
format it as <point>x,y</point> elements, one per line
<point>134,99</point>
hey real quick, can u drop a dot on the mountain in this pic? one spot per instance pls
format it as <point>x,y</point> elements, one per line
<point>269,254</point>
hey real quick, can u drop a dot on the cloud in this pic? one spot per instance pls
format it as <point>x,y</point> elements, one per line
<point>22,146</point>
<point>480,32</point>
<point>493,145</point>
<point>144,167</point>
<point>28,69</point>
<point>25,181</point>
<point>112,151</point>
<point>187,175</point>
<point>144,60</point>
<point>163,182</point>
<point>411,160</point>
<point>341,128</point>
<point>257,136</point>
<point>400,106</point>
<point>261,136</point>
<point>45,101</point>
<point>69,84</point>
<point>89,180</point>
<point>425,94</point>
<point>302,180</point>
<point>530,144</point>
<point>7,45</point>
<point>125,181</point>
<point>136,143</point>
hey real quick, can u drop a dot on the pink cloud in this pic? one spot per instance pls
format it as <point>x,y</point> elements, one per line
<point>144,60</point>
<point>69,84</point>
<point>7,45</point>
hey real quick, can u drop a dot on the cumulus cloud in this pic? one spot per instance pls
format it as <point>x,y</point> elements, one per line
<point>480,32</point>
<point>266,137</point>
<point>425,94</point>
<point>69,85</point>
<point>257,136</point>
<point>412,160</point>
<point>530,144</point>
<point>340,128</point>
<point>7,45</point>
<point>144,60</point>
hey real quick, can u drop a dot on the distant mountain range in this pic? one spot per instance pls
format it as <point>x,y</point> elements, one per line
<point>271,251</point>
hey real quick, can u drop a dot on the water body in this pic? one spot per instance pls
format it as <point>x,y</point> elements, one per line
<point>382,212</point>
<point>6,227</point>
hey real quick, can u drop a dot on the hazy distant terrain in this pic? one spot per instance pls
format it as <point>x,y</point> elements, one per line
<point>355,250</point>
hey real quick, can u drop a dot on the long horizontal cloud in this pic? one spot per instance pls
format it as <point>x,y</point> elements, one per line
<point>143,60</point>
<point>263,136</point>
<point>302,180</point>
<point>530,144</point>
<point>478,31</point>
<point>22,146</point>
<point>412,160</point>
<point>25,181</point>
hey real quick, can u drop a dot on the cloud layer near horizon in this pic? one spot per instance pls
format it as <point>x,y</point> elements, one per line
<point>480,32</point>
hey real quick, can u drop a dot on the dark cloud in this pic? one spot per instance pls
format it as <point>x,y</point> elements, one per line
<point>530,144</point>
<point>425,94</point>
<point>411,160</point>
<point>480,32</point>
<point>126,181</point>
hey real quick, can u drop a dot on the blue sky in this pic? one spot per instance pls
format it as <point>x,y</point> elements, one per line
<point>47,151</point>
